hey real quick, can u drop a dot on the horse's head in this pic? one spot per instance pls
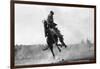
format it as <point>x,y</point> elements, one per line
<point>44,21</point>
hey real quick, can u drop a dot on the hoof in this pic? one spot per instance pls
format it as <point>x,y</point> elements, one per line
<point>59,50</point>
<point>65,46</point>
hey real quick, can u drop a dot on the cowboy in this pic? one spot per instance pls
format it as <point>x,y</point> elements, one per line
<point>50,19</point>
<point>53,25</point>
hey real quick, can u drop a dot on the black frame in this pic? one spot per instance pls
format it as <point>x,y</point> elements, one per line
<point>13,2</point>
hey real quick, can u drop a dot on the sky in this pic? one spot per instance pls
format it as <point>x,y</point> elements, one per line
<point>76,24</point>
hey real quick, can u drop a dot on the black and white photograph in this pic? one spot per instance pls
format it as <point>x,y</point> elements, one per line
<point>47,34</point>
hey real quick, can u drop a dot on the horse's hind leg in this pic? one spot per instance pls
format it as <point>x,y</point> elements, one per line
<point>51,48</point>
<point>50,45</point>
<point>56,42</point>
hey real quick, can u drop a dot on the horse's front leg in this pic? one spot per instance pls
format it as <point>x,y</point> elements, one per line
<point>58,47</point>
<point>62,41</point>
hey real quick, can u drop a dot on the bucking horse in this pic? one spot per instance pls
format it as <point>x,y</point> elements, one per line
<point>52,38</point>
